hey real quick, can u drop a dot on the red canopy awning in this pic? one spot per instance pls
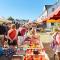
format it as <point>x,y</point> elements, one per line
<point>56,17</point>
<point>55,14</point>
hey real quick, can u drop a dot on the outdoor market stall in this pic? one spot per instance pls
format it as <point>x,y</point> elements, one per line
<point>4,21</point>
<point>25,49</point>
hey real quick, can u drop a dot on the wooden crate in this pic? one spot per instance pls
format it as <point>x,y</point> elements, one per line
<point>17,57</point>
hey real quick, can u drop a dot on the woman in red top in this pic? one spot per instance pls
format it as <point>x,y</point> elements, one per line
<point>12,35</point>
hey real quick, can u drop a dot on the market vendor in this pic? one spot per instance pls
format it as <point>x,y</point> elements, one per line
<point>35,39</point>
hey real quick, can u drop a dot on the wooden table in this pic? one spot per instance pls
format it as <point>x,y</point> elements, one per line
<point>17,57</point>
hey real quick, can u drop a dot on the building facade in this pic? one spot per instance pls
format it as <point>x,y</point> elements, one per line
<point>51,9</point>
<point>48,9</point>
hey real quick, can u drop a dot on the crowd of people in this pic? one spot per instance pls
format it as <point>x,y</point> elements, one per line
<point>12,37</point>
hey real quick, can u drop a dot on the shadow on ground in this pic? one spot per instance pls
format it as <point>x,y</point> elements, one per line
<point>49,51</point>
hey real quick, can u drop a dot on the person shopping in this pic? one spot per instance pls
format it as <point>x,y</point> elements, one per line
<point>12,36</point>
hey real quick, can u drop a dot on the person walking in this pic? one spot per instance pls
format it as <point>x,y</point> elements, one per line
<point>56,44</point>
<point>21,34</point>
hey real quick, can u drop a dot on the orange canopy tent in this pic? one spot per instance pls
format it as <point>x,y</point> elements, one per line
<point>53,21</point>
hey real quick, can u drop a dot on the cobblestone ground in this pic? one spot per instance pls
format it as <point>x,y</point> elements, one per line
<point>46,39</point>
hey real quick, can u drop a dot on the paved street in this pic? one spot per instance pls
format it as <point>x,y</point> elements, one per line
<point>46,38</point>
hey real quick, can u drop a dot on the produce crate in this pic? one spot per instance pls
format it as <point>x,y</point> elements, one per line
<point>17,57</point>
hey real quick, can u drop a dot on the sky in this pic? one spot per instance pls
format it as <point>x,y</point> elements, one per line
<point>23,9</point>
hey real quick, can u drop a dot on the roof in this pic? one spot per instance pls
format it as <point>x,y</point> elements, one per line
<point>56,12</point>
<point>48,6</point>
<point>57,16</point>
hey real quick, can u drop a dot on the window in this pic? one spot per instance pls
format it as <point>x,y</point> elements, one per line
<point>52,24</point>
<point>52,9</point>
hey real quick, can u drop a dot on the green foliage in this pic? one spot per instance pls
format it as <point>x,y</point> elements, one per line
<point>10,18</point>
<point>59,24</point>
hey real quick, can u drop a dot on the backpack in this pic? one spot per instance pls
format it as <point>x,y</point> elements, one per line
<point>12,34</point>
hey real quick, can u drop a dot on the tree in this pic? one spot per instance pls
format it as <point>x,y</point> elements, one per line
<point>10,18</point>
